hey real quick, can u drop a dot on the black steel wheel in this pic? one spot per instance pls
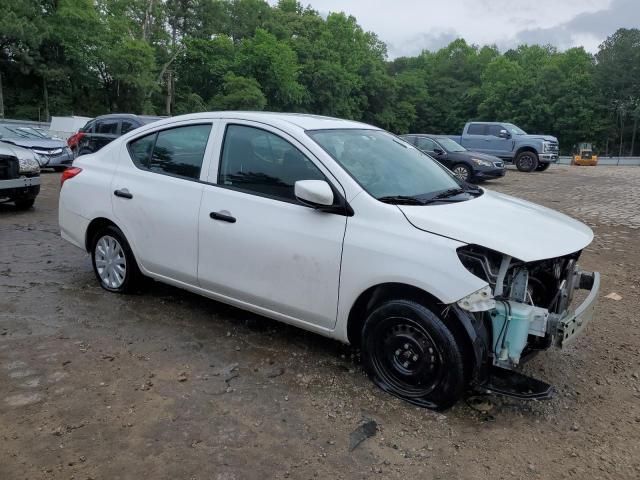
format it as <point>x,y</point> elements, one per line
<point>527,161</point>
<point>409,352</point>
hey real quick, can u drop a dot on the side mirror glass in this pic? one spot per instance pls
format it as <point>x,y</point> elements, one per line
<point>314,193</point>
<point>504,134</point>
<point>438,151</point>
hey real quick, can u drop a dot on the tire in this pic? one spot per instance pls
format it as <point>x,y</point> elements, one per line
<point>542,167</point>
<point>113,261</point>
<point>24,203</point>
<point>526,161</point>
<point>462,171</point>
<point>409,352</point>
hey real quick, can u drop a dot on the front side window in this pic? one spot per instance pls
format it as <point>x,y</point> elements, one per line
<point>425,144</point>
<point>260,162</point>
<point>383,165</point>
<point>177,151</point>
<point>495,130</point>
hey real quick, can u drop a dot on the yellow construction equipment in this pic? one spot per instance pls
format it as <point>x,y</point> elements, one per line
<point>585,156</point>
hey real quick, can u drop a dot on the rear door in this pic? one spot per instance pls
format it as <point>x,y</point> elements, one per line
<point>257,244</point>
<point>475,138</point>
<point>156,196</point>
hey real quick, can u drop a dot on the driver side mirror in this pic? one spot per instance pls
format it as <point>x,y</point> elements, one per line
<point>438,151</point>
<point>504,134</point>
<point>314,193</point>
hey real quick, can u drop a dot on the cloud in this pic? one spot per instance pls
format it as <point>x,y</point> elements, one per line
<point>587,29</point>
<point>424,41</point>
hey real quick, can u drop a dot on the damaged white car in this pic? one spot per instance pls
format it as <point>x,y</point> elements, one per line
<point>342,229</point>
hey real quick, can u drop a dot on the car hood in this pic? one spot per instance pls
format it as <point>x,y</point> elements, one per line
<point>45,143</point>
<point>506,224</point>
<point>15,151</point>
<point>547,138</point>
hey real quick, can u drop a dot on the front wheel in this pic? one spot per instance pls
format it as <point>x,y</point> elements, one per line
<point>462,171</point>
<point>409,352</point>
<point>113,262</point>
<point>527,161</point>
<point>542,167</point>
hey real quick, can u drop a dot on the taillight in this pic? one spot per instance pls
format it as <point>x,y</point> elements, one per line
<point>69,173</point>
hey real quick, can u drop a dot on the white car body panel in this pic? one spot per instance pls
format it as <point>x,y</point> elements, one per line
<point>506,224</point>
<point>287,261</point>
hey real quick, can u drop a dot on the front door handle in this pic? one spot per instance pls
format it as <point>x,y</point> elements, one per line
<point>225,217</point>
<point>123,193</point>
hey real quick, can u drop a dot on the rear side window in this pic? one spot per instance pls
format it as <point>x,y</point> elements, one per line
<point>107,127</point>
<point>476,129</point>
<point>260,162</point>
<point>127,126</point>
<point>178,152</point>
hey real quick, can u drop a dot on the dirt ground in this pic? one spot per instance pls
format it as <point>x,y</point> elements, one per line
<point>169,385</point>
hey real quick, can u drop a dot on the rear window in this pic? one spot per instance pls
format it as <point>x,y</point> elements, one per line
<point>476,129</point>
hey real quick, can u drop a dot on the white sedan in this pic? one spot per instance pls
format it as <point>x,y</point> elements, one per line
<point>343,229</point>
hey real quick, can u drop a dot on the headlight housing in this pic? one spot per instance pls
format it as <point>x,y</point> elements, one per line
<point>484,163</point>
<point>29,165</point>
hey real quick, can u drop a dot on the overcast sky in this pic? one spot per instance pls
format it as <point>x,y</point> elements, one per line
<point>409,26</point>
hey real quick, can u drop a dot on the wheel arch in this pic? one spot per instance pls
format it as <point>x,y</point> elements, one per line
<point>468,329</point>
<point>94,227</point>
<point>526,148</point>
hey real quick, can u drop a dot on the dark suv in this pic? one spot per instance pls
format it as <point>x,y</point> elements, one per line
<point>102,130</point>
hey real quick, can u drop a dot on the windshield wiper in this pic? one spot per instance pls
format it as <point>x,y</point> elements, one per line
<point>401,200</point>
<point>452,192</point>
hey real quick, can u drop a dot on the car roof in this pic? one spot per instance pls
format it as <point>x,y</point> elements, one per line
<point>304,121</point>
<point>144,118</point>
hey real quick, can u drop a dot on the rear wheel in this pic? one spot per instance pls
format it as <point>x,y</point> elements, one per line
<point>113,262</point>
<point>527,161</point>
<point>542,167</point>
<point>462,171</point>
<point>409,352</point>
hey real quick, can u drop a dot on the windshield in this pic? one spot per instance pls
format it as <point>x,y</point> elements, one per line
<point>450,145</point>
<point>384,165</point>
<point>514,130</point>
<point>7,131</point>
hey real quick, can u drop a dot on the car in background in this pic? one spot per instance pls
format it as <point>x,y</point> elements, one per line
<point>466,165</point>
<point>50,152</point>
<point>19,176</point>
<point>345,230</point>
<point>512,144</point>
<point>104,129</point>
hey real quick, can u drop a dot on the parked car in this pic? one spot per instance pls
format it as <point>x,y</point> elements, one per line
<point>104,129</point>
<point>467,166</point>
<point>511,144</point>
<point>50,152</point>
<point>339,228</point>
<point>19,176</point>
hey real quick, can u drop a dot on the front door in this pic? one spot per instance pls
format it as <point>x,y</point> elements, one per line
<point>257,244</point>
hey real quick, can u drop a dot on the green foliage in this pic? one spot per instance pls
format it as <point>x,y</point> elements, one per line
<point>87,57</point>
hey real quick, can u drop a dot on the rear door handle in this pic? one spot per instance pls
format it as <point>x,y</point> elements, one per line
<point>123,193</point>
<point>225,217</point>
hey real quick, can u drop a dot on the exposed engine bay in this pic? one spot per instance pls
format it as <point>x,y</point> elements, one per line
<point>527,305</point>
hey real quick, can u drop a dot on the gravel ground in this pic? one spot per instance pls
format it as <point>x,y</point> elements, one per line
<point>171,385</point>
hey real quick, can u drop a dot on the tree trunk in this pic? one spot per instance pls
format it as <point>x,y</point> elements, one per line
<point>1,99</point>
<point>621,133</point>
<point>45,95</point>
<point>633,135</point>
<point>169,92</point>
